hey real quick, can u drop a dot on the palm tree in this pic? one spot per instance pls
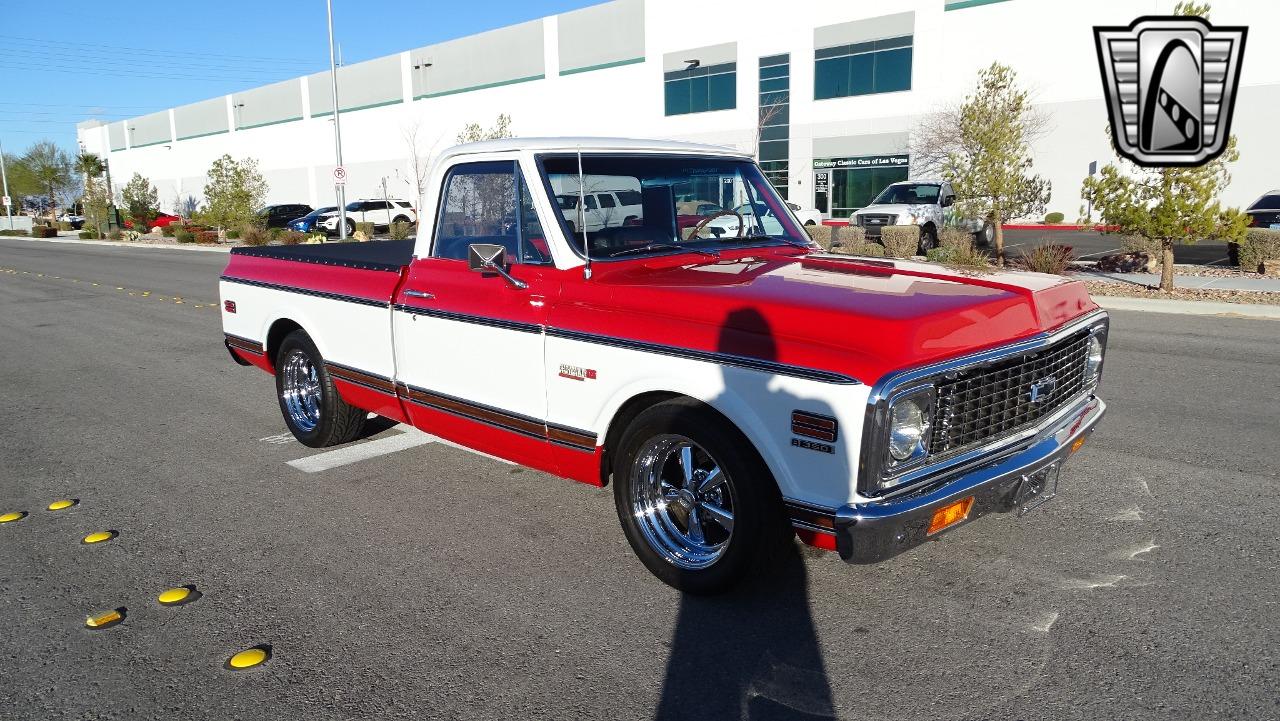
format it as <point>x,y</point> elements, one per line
<point>91,167</point>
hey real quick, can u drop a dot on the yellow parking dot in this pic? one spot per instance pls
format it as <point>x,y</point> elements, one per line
<point>99,537</point>
<point>64,503</point>
<point>249,658</point>
<point>14,516</point>
<point>105,620</point>
<point>178,596</point>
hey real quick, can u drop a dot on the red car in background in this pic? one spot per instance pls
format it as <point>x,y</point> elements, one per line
<point>160,221</point>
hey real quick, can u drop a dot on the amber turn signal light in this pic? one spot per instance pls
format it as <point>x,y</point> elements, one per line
<point>1075,446</point>
<point>950,515</point>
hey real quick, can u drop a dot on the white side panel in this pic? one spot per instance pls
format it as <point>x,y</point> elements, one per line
<point>494,366</point>
<point>351,334</point>
<point>760,404</point>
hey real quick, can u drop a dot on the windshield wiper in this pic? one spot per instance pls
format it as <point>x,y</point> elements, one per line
<point>665,246</point>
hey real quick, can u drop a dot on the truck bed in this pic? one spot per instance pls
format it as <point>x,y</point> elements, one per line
<point>386,255</point>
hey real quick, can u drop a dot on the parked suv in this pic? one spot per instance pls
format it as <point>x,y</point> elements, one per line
<point>604,209</point>
<point>1265,211</point>
<point>382,213</point>
<point>929,204</point>
<point>278,216</point>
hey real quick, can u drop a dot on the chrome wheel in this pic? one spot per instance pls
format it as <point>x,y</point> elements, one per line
<point>683,501</point>
<point>300,391</point>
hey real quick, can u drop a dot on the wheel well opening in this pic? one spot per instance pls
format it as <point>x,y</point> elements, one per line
<point>634,407</point>
<point>279,330</point>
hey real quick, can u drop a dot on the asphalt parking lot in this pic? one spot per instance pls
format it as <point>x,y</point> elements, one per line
<point>423,581</point>
<point>1091,245</point>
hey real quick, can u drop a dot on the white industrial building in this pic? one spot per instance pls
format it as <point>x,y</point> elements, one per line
<point>847,82</point>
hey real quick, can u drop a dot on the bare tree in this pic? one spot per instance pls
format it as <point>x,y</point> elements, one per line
<point>420,154</point>
<point>937,135</point>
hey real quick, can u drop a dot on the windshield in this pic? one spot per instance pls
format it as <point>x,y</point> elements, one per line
<point>668,204</point>
<point>908,194</point>
<point>1267,202</point>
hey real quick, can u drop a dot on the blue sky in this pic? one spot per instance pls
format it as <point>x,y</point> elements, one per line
<point>116,61</point>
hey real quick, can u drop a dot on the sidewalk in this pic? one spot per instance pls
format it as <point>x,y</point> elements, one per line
<point>1198,282</point>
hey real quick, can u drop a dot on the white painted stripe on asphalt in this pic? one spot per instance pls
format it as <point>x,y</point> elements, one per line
<point>410,438</point>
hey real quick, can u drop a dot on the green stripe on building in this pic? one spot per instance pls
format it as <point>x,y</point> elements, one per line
<point>486,86</point>
<point>602,66</point>
<point>269,122</point>
<point>202,135</point>
<point>359,107</point>
<point>962,4</point>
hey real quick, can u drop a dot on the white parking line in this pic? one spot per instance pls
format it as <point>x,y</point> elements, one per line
<point>409,438</point>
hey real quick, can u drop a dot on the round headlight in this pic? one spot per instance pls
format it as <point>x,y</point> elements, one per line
<point>907,429</point>
<point>1093,362</point>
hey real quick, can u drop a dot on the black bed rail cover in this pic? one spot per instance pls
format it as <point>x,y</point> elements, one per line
<point>384,255</point>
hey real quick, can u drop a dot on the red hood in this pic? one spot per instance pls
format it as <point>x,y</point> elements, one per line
<point>862,318</point>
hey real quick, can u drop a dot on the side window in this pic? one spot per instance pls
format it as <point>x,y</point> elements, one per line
<point>479,205</point>
<point>606,201</point>
<point>591,202</point>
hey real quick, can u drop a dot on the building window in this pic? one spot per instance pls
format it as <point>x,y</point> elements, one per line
<point>774,132</point>
<point>702,89</point>
<point>843,186</point>
<point>878,66</point>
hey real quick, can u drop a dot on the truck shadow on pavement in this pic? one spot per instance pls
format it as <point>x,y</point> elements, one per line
<point>751,653</point>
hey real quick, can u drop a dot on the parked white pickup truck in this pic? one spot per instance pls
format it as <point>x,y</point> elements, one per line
<point>732,386</point>
<point>929,204</point>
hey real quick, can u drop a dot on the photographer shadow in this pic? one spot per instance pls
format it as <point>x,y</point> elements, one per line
<point>751,653</point>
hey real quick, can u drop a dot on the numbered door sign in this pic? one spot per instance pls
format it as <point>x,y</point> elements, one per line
<point>339,175</point>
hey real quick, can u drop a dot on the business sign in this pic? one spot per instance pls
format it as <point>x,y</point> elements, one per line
<point>821,182</point>
<point>862,161</point>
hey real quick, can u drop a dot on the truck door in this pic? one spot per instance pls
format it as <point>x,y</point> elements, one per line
<point>469,344</point>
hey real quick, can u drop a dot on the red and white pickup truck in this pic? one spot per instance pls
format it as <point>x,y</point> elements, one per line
<point>729,384</point>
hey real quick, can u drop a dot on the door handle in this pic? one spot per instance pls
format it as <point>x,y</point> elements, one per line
<point>420,294</point>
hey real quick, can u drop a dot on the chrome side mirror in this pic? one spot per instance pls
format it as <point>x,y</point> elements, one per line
<point>491,258</point>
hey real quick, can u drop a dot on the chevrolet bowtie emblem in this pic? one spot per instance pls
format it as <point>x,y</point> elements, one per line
<point>1042,389</point>
<point>1170,84</point>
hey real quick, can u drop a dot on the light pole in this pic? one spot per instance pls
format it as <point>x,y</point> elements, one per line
<point>8,207</point>
<point>340,189</point>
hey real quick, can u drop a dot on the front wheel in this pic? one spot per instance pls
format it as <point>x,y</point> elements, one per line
<point>312,409</point>
<point>928,239</point>
<point>351,227</point>
<point>697,504</point>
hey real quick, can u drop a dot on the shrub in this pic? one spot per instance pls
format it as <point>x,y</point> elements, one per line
<point>8,232</point>
<point>1259,244</point>
<point>64,225</point>
<point>43,231</point>
<point>116,234</point>
<point>293,237</point>
<point>867,250</point>
<point>275,233</point>
<point>1047,258</point>
<point>1054,218</point>
<point>959,256</point>
<point>400,231</point>
<point>366,228</point>
<point>130,235</point>
<point>316,238</point>
<point>848,236</point>
<point>233,235</point>
<point>168,230</point>
<point>821,234</point>
<point>184,236</point>
<point>900,241</point>
<point>88,234</point>
<point>253,235</point>
<point>207,237</point>
<point>955,238</point>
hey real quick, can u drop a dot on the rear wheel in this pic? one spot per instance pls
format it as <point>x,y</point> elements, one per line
<point>400,219</point>
<point>351,227</point>
<point>985,236</point>
<point>312,409</point>
<point>928,239</point>
<point>698,510</point>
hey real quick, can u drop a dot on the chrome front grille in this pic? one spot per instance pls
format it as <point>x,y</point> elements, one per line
<point>985,403</point>
<point>876,220</point>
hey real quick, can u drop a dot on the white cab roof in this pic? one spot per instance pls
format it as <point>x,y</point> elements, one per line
<point>589,145</point>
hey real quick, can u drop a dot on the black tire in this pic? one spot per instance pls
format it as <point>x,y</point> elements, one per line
<point>759,525</point>
<point>337,421</point>
<point>928,238</point>
<point>400,219</point>
<point>983,237</point>
<point>809,222</point>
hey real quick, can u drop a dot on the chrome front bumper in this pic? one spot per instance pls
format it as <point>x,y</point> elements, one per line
<point>877,530</point>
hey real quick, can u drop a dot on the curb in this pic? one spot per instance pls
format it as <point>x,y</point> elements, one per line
<point>1190,307</point>
<point>122,244</point>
